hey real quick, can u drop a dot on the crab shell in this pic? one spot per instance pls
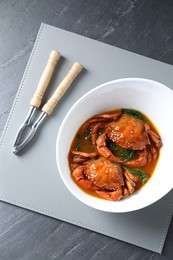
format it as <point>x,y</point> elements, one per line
<point>128,132</point>
<point>104,174</point>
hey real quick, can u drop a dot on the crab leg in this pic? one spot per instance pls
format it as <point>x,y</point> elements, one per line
<point>129,186</point>
<point>131,176</point>
<point>153,135</point>
<point>129,179</point>
<point>93,121</point>
<point>154,152</point>
<point>78,159</point>
<point>125,192</point>
<point>83,154</point>
<point>149,155</point>
<point>111,116</point>
<point>101,118</point>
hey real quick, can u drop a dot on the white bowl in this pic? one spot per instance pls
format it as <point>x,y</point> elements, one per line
<point>149,97</point>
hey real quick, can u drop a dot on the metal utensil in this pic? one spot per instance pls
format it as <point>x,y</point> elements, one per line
<point>38,95</point>
<point>46,109</point>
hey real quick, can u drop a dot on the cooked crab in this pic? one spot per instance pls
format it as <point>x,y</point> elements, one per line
<point>106,178</point>
<point>122,142</point>
<point>130,133</point>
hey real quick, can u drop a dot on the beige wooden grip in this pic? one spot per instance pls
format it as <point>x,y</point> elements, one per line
<point>61,89</point>
<point>45,79</point>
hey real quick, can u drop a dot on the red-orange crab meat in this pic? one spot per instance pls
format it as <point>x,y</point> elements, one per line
<point>128,132</point>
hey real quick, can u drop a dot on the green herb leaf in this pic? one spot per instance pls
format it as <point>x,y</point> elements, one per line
<point>79,136</point>
<point>77,147</point>
<point>87,134</point>
<point>99,134</point>
<point>122,153</point>
<point>134,113</point>
<point>137,171</point>
<point>111,145</point>
<point>127,154</point>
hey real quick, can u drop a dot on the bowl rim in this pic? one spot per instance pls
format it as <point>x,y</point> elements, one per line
<point>161,86</point>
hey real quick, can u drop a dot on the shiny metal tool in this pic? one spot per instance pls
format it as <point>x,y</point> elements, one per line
<point>23,139</point>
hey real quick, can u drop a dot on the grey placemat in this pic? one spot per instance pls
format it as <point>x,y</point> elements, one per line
<point>32,180</point>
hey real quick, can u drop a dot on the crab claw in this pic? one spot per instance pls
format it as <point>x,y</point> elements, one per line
<point>100,118</point>
<point>139,162</point>
<point>95,130</point>
<point>81,180</point>
<point>110,195</point>
<point>104,151</point>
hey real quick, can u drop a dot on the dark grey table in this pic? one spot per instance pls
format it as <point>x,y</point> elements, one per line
<point>141,26</point>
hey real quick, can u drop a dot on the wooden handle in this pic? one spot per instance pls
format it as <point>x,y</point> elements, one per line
<point>62,88</point>
<point>45,79</point>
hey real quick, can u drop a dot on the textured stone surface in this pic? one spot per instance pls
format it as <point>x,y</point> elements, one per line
<point>141,26</point>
